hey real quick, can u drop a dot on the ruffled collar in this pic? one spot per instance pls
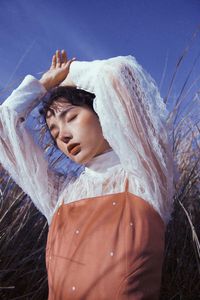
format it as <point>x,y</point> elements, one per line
<point>102,163</point>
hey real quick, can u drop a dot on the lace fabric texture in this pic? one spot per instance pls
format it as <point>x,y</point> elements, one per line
<point>133,119</point>
<point>20,155</point>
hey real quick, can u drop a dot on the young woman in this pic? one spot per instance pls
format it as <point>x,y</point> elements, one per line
<point>107,226</point>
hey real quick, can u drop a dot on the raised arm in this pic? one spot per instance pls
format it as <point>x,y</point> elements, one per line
<point>19,154</point>
<point>133,118</point>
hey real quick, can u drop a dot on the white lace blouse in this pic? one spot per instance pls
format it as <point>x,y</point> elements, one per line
<point>133,119</point>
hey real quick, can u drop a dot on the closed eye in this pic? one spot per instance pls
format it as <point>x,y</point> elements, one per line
<point>72,118</point>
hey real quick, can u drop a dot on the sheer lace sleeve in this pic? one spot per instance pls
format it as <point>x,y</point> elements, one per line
<point>19,154</point>
<point>133,118</point>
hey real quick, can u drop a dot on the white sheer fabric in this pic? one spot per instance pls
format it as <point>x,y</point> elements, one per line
<point>19,154</point>
<point>133,119</point>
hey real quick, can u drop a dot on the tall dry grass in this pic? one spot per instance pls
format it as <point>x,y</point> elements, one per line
<point>181,269</point>
<point>23,230</point>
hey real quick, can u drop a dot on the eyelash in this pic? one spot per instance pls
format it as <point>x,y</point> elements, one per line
<point>72,118</point>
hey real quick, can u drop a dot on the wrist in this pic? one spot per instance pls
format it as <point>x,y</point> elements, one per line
<point>46,83</point>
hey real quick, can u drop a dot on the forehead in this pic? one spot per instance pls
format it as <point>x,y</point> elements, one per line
<point>56,107</point>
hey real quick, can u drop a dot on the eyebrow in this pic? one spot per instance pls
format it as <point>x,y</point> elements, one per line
<point>63,112</point>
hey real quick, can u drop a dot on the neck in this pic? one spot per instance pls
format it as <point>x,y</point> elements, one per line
<point>101,163</point>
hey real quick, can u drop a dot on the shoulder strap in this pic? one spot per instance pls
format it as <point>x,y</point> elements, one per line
<point>126,185</point>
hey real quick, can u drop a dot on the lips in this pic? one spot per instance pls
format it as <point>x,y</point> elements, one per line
<point>74,148</point>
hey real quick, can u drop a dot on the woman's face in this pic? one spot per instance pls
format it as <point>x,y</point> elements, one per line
<point>76,131</point>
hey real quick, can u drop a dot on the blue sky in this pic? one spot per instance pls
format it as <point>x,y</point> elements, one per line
<point>155,32</point>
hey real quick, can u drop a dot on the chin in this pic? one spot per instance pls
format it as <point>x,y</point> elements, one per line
<point>81,158</point>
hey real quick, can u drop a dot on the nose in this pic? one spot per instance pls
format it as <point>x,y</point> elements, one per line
<point>64,135</point>
<point>65,139</point>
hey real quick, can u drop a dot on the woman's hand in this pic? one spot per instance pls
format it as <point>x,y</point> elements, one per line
<point>58,71</point>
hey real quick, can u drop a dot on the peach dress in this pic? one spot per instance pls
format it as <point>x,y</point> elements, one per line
<point>103,248</point>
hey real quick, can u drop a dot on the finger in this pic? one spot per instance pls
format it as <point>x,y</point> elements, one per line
<point>73,59</point>
<point>69,62</point>
<point>58,59</point>
<point>53,62</point>
<point>64,57</point>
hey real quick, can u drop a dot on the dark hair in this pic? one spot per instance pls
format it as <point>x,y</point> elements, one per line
<point>72,95</point>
